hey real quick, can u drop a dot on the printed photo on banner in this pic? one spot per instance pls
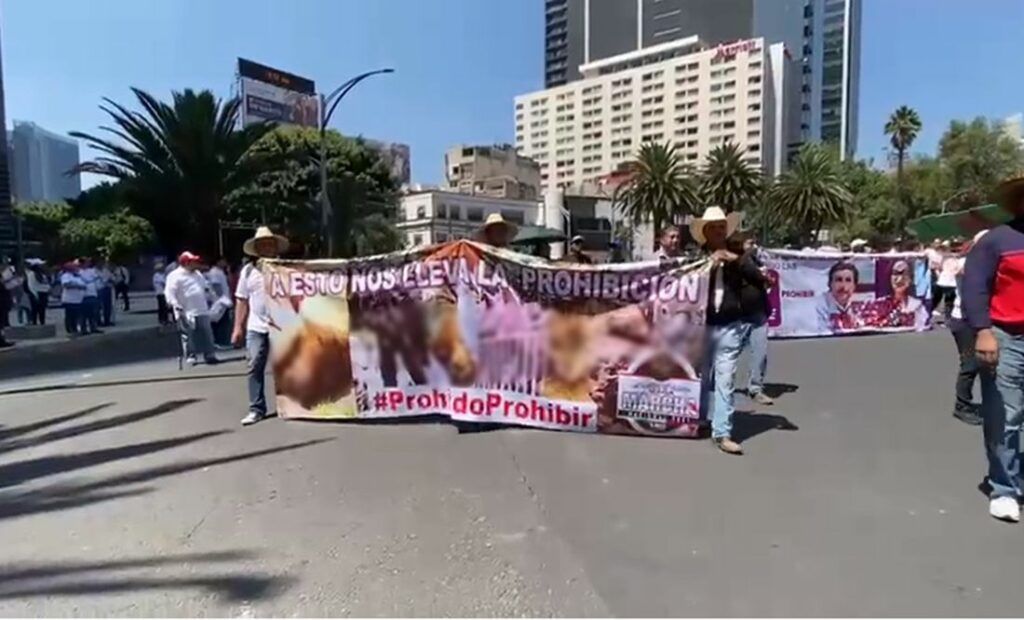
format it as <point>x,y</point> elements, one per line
<point>822,294</point>
<point>491,336</point>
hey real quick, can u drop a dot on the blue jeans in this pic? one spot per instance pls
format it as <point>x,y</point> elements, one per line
<point>758,341</point>
<point>106,306</point>
<point>89,317</point>
<point>257,348</point>
<point>719,381</point>
<point>1002,406</point>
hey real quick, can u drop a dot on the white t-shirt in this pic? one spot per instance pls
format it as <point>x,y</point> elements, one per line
<point>188,291</point>
<point>218,282</point>
<point>934,258</point>
<point>91,279</point>
<point>956,312</point>
<point>250,287</point>
<point>72,288</point>
<point>948,271</point>
<point>105,277</point>
<point>159,282</point>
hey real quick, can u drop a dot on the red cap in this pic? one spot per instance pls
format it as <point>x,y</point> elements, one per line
<point>188,257</point>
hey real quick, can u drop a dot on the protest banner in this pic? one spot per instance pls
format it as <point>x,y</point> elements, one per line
<point>829,294</point>
<point>487,335</point>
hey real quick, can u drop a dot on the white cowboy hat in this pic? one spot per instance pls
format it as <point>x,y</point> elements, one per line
<point>495,219</point>
<point>264,232</point>
<point>714,214</point>
<point>856,243</point>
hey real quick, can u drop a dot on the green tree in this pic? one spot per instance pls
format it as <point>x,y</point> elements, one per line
<point>977,155</point>
<point>928,186</point>
<point>730,181</point>
<point>285,191</point>
<point>902,128</point>
<point>660,188</point>
<point>811,194</point>
<point>175,162</point>
<point>117,236</point>
<point>874,214</point>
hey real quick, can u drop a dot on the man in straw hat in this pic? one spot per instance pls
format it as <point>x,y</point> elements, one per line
<point>993,305</point>
<point>497,231</point>
<point>733,278</point>
<point>252,318</point>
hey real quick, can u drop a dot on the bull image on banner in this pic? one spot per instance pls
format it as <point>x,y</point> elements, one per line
<point>819,294</point>
<point>487,335</point>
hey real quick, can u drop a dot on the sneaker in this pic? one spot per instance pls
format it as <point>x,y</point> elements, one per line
<point>191,360</point>
<point>968,416</point>
<point>1005,509</point>
<point>252,417</point>
<point>762,398</point>
<point>727,445</point>
<point>6,344</point>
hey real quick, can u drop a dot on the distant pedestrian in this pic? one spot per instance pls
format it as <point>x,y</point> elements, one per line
<point>91,303</point>
<point>755,310</point>
<point>8,281</point>
<point>576,253</point>
<point>252,318</point>
<point>159,283</point>
<point>615,253</point>
<point>37,286</point>
<point>187,292</point>
<point>668,243</point>
<point>993,304</point>
<point>122,284</point>
<point>72,297</point>
<point>105,293</point>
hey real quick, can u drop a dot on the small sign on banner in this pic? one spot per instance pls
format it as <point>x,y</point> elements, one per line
<point>658,404</point>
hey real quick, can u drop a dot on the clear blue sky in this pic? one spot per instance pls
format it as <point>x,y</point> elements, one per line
<point>459,63</point>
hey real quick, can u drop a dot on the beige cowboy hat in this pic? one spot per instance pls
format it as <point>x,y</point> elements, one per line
<point>714,214</point>
<point>264,232</point>
<point>1010,189</point>
<point>495,219</point>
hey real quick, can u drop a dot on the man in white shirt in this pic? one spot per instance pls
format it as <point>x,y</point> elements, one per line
<point>8,281</point>
<point>252,318</point>
<point>72,296</point>
<point>221,308</point>
<point>91,302</point>
<point>187,292</point>
<point>122,280</point>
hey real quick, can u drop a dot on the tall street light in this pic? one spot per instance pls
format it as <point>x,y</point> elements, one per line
<point>332,100</point>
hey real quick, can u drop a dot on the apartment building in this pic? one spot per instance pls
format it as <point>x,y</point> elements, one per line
<point>496,171</point>
<point>684,92</point>
<point>435,216</point>
<point>41,163</point>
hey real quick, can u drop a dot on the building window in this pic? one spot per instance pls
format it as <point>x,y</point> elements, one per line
<point>754,79</point>
<point>474,214</point>
<point>417,239</point>
<point>421,212</point>
<point>513,216</point>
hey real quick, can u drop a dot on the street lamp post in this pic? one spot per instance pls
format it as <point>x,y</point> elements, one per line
<point>332,100</point>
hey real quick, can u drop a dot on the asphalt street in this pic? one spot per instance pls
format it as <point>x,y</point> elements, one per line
<point>858,495</point>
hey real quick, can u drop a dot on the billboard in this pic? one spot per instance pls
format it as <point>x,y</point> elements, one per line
<point>269,94</point>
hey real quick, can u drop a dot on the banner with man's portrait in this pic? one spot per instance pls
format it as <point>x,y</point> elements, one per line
<point>828,294</point>
<point>486,335</point>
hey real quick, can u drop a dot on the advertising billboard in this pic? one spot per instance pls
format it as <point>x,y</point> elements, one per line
<point>269,94</point>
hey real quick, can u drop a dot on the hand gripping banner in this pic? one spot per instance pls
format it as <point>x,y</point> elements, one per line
<point>486,335</point>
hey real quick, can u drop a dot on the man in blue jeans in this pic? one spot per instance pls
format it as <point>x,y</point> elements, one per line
<point>727,320</point>
<point>756,299</point>
<point>252,318</point>
<point>993,304</point>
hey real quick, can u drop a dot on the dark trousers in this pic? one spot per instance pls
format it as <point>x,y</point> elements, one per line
<point>90,315</point>
<point>963,335</point>
<point>37,314</point>
<point>943,293</point>
<point>106,297</point>
<point>162,314</point>
<point>72,318</point>
<point>121,290</point>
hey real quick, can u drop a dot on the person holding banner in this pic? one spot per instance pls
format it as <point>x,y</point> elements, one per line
<point>252,318</point>
<point>993,303</point>
<point>727,320</point>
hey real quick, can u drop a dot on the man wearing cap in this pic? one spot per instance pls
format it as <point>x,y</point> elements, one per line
<point>252,318</point>
<point>993,305</point>
<point>576,253</point>
<point>728,319</point>
<point>497,231</point>
<point>187,293</point>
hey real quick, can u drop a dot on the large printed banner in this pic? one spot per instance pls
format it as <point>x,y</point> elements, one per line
<point>486,335</point>
<point>826,294</point>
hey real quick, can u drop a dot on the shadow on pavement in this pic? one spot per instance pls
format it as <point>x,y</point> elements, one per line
<point>82,429</point>
<point>776,390</point>
<point>747,425</point>
<point>60,496</point>
<point>15,431</point>
<point>91,578</point>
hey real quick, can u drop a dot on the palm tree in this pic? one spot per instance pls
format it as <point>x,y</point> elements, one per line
<point>659,188</point>
<point>175,161</point>
<point>810,194</point>
<point>902,128</point>
<point>728,180</point>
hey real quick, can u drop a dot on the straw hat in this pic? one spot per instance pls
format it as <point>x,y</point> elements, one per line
<point>264,232</point>
<point>714,214</point>
<point>495,219</point>
<point>1009,190</point>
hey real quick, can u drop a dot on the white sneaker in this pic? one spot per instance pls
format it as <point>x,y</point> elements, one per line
<point>191,360</point>
<point>1005,509</point>
<point>252,418</point>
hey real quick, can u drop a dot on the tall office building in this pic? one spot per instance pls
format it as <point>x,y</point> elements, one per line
<point>823,34</point>
<point>7,232</point>
<point>41,162</point>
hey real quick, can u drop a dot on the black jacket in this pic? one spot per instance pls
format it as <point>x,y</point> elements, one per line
<point>744,292</point>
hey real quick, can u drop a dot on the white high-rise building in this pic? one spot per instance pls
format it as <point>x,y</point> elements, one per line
<point>683,92</point>
<point>831,83</point>
<point>42,164</point>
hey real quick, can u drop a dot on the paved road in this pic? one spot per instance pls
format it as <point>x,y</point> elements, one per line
<point>858,496</point>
